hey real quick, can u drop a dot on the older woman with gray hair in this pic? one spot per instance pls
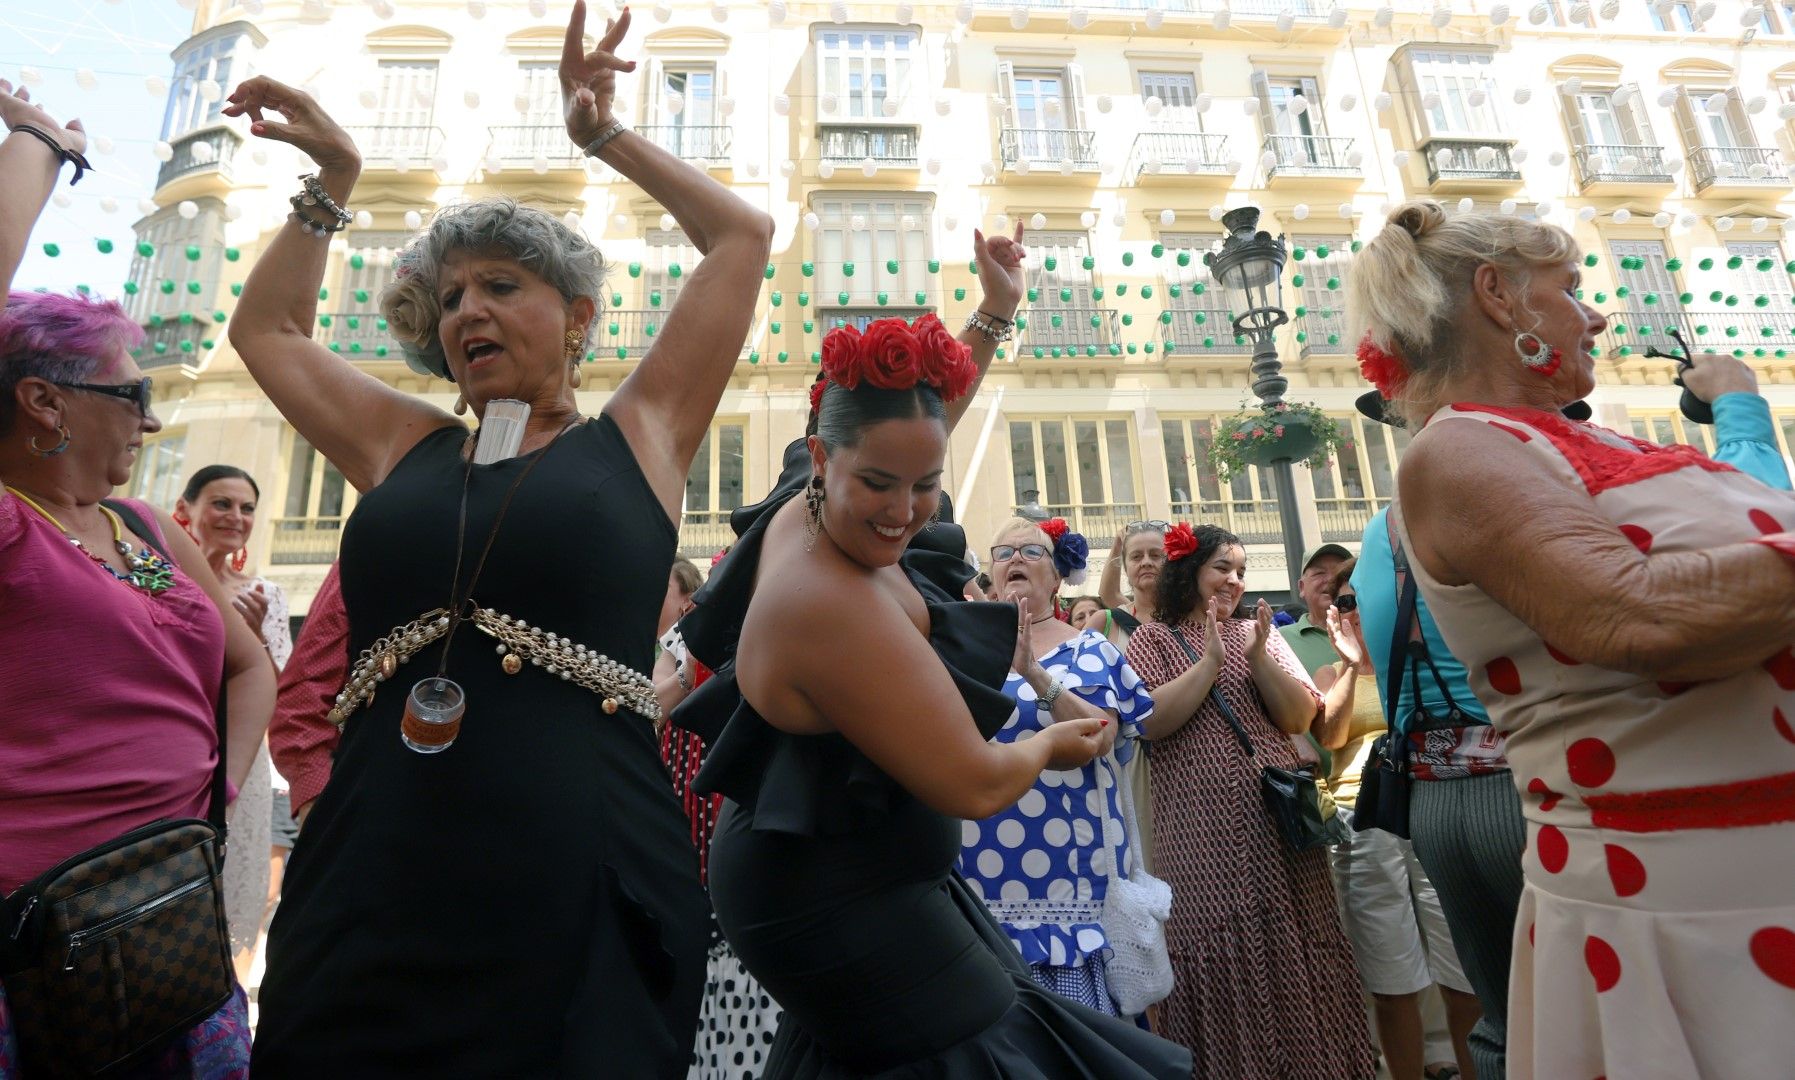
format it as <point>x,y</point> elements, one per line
<point>498,879</point>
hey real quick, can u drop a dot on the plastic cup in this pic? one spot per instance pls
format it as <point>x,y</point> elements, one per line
<point>432,715</point>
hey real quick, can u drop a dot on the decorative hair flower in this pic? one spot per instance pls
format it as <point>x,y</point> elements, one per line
<point>895,355</point>
<point>1071,554</point>
<point>1381,369</point>
<point>1180,542</point>
<point>816,393</point>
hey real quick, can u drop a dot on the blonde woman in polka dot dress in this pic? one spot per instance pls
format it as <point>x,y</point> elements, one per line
<point>1626,613</point>
<point>1042,865</point>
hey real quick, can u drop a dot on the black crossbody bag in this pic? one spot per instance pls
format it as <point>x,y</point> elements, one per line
<point>113,952</point>
<point>1291,796</point>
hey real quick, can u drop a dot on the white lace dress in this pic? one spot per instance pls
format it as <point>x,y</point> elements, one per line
<point>251,817</point>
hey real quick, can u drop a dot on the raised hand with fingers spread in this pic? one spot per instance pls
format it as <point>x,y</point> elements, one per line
<point>589,79</point>
<point>17,110</point>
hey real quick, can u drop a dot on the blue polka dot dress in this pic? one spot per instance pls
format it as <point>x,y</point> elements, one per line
<point>1042,866</point>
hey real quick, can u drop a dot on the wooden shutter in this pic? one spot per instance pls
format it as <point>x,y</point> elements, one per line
<point>1268,119</point>
<point>1074,96</point>
<point>1006,86</point>
<point>1686,127</point>
<point>1636,123</point>
<point>1573,120</point>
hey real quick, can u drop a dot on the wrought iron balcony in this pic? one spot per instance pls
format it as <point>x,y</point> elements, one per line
<point>1324,331</point>
<point>1345,519</point>
<point>1629,332</point>
<point>359,335</point>
<point>1192,153</point>
<point>853,144</point>
<point>1067,328</point>
<point>304,540</point>
<point>1205,330</point>
<point>1098,519</point>
<point>1253,522</point>
<point>528,145</point>
<point>703,533</point>
<point>1738,165</point>
<point>1622,163</point>
<point>170,341</point>
<point>211,149</point>
<point>694,143</point>
<point>1310,155</point>
<point>632,330</point>
<point>398,148</point>
<point>1468,159</point>
<point>1048,147</point>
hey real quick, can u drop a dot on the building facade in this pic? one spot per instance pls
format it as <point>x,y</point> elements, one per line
<point>879,135</point>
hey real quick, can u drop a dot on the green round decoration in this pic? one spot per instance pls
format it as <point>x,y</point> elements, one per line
<point>237,288</point>
<point>768,274</point>
<point>231,254</point>
<point>847,269</point>
<point>1089,263</point>
<point>1001,354</point>
<point>1673,264</point>
<point>380,350</point>
<point>778,298</point>
<point>1065,296</point>
<point>186,318</point>
<point>1159,250</point>
<point>1302,336</point>
<point>808,269</point>
<point>884,298</point>
<point>1115,349</point>
<point>1033,294</point>
<point>934,266</point>
<point>1174,290</point>
<point>1301,311</point>
<point>1714,297</point>
<point>1184,258</point>
<point>891,266</point>
<point>1686,298</point>
<point>1321,251</point>
<point>1022,322</point>
<point>1198,289</point>
<point>1735,262</point>
<point>1209,343</point>
<point>613,329</point>
<point>622,353</point>
<point>673,271</point>
<point>635,269</point>
<point>1333,283</point>
<point>1297,280</point>
<point>168,287</point>
<point>1058,321</point>
<point>654,298</point>
<point>1050,264</point>
<point>1765,264</point>
<point>1706,264</point>
<point>1651,298</point>
<point>1356,245</point>
<point>219,316</point>
<point>104,245</point>
<point>187,346</point>
<point>361,296</point>
<point>1199,318</point>
<point>648,329</point>
<point>1590,259</point>
<point>973,268</point>
<point>959,294</point>
<point>193,287</point>
<point>52,250</point>
<point>841,298</point>
<point>146,249</point>
<point>1165,317</point>
<point>1097,293</point>
<point>921,298</point>
<point>1626,350</point>
<point>1762,301</point>
<point>1167,347</point>
<point>1731,301</point>
<point>776,328</point>
<point>803,299</point>
<point>324,321</point>
<point>324,294</point>
<point>1147,348</point>
<point>809,327</point>
<point>1131,348</point>
<point>1621,291</point>
<point>357,261</point>
<point>1127,258</point>
<point>1333,339</point>
<point>1121,288</point>
<point>1127,319</point>
<point>1299,253</point>
<point>1040,353</point>
<point>1146,292</point>
<point>754,356</point>
<point>1701,328</point>
<point>355,346</point>
<point>155,321</point>
<point>784,356</point>
<point>161,347</point>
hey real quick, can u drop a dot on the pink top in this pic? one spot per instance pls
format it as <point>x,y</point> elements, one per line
<point>107,697</point>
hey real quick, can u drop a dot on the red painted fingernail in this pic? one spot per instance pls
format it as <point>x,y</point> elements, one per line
<point>1103,723</point>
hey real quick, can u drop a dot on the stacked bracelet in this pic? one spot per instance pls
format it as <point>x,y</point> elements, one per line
<point>315,195</point>
<point>62,153</point>
<point>994,327</point>
<point>605,134</point>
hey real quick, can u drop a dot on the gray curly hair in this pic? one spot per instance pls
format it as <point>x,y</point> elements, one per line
<point>538,240</point>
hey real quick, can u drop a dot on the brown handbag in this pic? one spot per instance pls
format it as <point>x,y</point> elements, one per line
<point>113,952</point>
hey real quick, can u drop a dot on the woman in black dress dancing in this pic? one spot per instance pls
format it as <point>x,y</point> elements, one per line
<point>524,902</point>
<point>849,735</point>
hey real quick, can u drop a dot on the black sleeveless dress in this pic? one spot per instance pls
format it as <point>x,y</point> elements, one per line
<point>525,903</point>
<point>837,888</point>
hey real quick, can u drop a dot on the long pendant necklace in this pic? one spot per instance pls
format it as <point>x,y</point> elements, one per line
<point>148,570</point>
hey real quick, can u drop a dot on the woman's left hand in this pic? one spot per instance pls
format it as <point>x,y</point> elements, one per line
<point>252,604</point>
<point>589,79</point>
<point>1348,640</point>
<point>1262,631</point>
<point>999,260</point>
<point>1024,662</point>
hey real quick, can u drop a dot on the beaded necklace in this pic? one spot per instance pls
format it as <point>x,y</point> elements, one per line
<point>149,571</point>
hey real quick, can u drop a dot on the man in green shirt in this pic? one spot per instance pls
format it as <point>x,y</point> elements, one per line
<point>1308,636</point>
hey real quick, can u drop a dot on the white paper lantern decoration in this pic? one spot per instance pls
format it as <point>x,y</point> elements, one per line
<point>1215,213</point>
<point>364,219</point>
<point>162,151</point>
<point>1153,105</point>
<point>1203,102</point>
<point>1757,170</point>
<point>869,167</point>
<point>439,163</point>
<point>904,13</point>
<point>951,221</point>
<point>1543,207</point>
<point>1168,217</point>
<point>1686,221</point>
<point>1661,219</point>
<point>932,166</point>
<point>1430,100</point>
<point>663,11</point>
<point>1336,17</point>
<point>1078,20</point>
<point>539,164</point>
<point>476,8</point>
<point>963,13</point>
<point>1786,111</point>
<point>667,221</point>
<point>1668,96</point>
<point>1538,15</point>
<point>1067,166</point>
<point>1036,222</point>
<point>826,170</point>
<point>1587,213</point>
<point>102,144</point>
<point>782,104</point>
<point>1250,107</point>
<point>471,99</point>
<point>1756,105</point>
<point>1465,205</point>
<point>1673,166</point>
<point>147,206</point>
<point>1555,158</point>
<point>1023,166</point>
<point>828,101</point>
<point>1622,216</point>
<point>1019,18</point>
<point>61,200</point>
<point>1442,17</point>
<point>1522,95</point>
<point>155,84</point>
<point>492,164</point>
<point>1714,105</point>
<point>85,79</point>
<point>1355,157</point>
<point>1518,156</point>
<point>1297,105</point>
<point>1381,102</point>
<point>1476,97</point>
<point>1752,15</point>
<point>1723,224</point>
<point>1233,166</point>
<point>997,105</point>
<point>1300,211</point>
<point>1383,16</point>
<point>1055,108</point>
<point>988,170</point>
<point>675,102</point>
<point>188,209</point>
<point>1610,9</point>
<point>1572,86</point>
<point>1155,19</point>
<point>620,221</point>
<point>1579,12</point>
<point>1286,22</point>
<point>719,13</point>
<point>1400,159</point>
<point>368,99</point>
<point>1001,223</point>
<point>787,167</point>
<point>1629,163</point>
<point>203,153</point>
<point>383,9</point>
<point>31,76</point>
<point>1499,15</point>
<point>1219,21</point>
<point>776,12</point>
<point>232,212</point>
<point>1088,219</point>
<point>1759,224</point>
<point>108,204</point>
<point>1346,211</point>
<point>1268,161</point>
<point>811,221</point>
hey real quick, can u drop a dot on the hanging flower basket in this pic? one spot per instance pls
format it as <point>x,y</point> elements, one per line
<point>1263,435</point>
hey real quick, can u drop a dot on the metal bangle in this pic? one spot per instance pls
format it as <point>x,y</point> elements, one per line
<point>315,195</point>
<point>606,134</point>
<point>991,330</point>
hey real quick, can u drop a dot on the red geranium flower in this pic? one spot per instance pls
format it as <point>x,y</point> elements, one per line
<point>1054,529</point>
<point>841,355</point>
<point>1180,542</point>
<point>890,355</point>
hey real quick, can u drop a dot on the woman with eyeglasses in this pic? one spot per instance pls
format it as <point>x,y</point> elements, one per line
<point>1042,865</point>
<point>116,633</point>
<point>1389,909</point>
<point>1266,986</point>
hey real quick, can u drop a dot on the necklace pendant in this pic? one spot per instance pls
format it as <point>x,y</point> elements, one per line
<point>389,665</point>
<point>512,663</point>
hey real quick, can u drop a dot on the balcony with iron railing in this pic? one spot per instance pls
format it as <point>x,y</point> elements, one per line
<point>1744,165</point>
<point>171,341</point>
<point>301,541</point>
<point>1311,156</point>
<point>1067,328</point>
<point>1323,331</point>
<point>361,335</point>
<point>854,144</point>
<point>1179,153</point>
<point>1478,162</point>
<point>1621,163</point>
<point>1097,521</point>
<point>399,149</point>
<point>630,329</point>
<point>1344,520</point>
<point>1199,331</point>
<point>1630,332</point>
<point>531,146</point>
<point>209,150</point>
<point>1253,522</point>
<point>707,143</point>
<point>703,533</point>
<point>1048,147</point>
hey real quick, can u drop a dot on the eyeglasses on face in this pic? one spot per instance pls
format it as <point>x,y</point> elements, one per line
<point>1028,552</point>
<point>138,392</point>
<point>1147,526</point>
<point>1346,604</point>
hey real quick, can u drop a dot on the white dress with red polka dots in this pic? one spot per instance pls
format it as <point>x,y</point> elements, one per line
<point>1656,933</point>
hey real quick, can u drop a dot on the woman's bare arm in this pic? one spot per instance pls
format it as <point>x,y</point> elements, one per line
<point>1537,546</point>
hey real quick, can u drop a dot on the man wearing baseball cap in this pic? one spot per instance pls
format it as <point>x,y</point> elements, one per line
<point>1308,636</point>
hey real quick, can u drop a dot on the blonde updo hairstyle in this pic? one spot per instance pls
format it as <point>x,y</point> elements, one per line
<point>1411,282</point>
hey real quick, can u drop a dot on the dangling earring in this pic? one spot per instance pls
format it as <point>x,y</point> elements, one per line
<point>38,451</point>
<point>813,518</point>
<point>185,522</point>
<point>574,339</point>
<point>576,378</point>
<point>239,559</point>
<point>1540,358</point>
<point>460,404</point>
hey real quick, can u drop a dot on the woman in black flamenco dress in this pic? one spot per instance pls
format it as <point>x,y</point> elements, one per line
<point>849,733</point>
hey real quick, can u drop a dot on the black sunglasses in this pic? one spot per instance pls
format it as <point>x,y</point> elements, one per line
<point>138,391</point>
<point>1346,604</point>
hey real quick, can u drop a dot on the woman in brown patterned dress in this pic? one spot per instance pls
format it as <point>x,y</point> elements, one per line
<point>1266,985</point>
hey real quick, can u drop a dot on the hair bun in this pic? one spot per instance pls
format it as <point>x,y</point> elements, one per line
<point>1420,217</point>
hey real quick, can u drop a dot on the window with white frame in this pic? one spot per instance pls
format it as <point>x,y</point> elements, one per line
<point>539,91</point>
<point>166,276</point>
<point>1281,113</point>
<point>1673,16</point>
<point>1713,118</point>
<point>872,232</point>
<point>1359,478</point>
<point>206,69</point>
<point>1080,468</point>
<point>714,483</point>
<point>865,67</point>
<point>1670,429</point>
<point>686,95</point>
<point>1762,271</point>
<point>1456,94</point>
<point>1327,260</point>
<point>671,257</point>
<point>1598,118</point>
<point>1177,94</point>
<point>316,503</point>
<point>407,97</point>
<point>1199,306</point>
<point>1246,505</point>
<point>156,479</point>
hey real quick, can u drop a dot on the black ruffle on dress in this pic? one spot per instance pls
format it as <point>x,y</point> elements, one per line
<point>837,888</point>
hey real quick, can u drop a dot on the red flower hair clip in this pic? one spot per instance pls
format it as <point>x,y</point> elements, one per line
<point>1054,529</point>
<point>816,394</point>
<point>1381,369</point>
<point>1180,542</point>
<point>895,355</point>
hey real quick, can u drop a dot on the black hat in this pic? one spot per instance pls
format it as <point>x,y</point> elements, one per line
<point>1371,406</point>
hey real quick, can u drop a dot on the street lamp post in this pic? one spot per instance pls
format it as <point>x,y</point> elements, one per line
<point>1250,266</point>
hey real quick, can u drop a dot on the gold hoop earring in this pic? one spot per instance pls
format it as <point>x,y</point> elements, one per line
<point>38,451</point>
<point>460,404</point>
<point>813,517</point>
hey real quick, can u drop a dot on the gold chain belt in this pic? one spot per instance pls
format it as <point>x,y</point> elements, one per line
<point>519,642</point>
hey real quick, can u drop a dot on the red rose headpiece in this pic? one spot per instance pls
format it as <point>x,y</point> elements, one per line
<point>1381,369</point>
<point>1180,542</point>
<point>895,355</point>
